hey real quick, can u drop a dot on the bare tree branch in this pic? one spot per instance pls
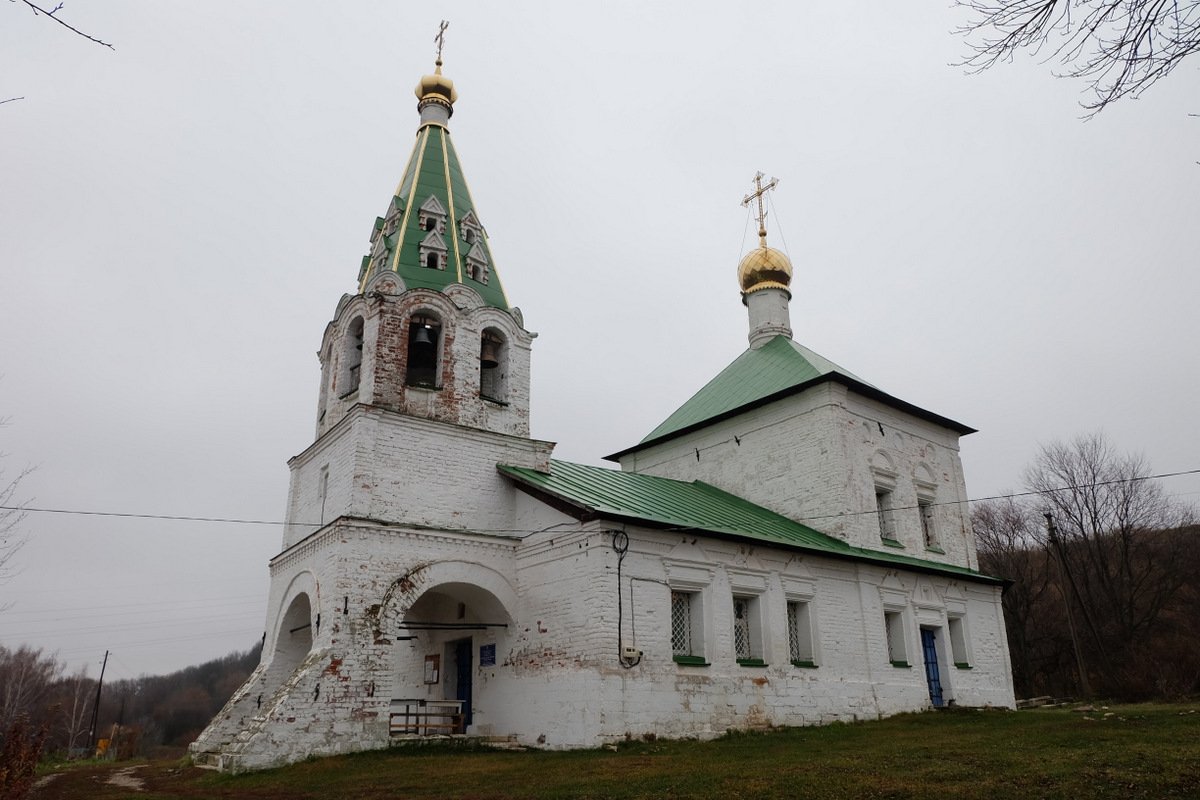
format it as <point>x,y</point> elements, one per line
<point>52,14</point>
<point>1120,47</point>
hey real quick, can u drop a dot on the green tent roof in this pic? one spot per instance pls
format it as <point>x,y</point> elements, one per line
<point>756,377</point>
<point>588,492</point>
<point>433,178</point>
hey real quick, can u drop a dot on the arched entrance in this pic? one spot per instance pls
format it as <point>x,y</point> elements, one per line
<point>294,638</point>
<point>450,643</point>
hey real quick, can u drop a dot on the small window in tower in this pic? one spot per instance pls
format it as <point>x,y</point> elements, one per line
<point>469,236</point>
<point>431,223</point>
<point>433,260</point>
<point>424,347</point>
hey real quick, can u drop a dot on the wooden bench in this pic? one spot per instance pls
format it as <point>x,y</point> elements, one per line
<point>422,717</point>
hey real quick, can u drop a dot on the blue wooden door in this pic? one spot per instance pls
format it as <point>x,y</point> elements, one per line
<point>932,676</point>
<point>462,664</point>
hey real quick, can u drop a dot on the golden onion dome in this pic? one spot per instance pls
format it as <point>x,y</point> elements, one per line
<point>436,88</point>
<point>764,268</point>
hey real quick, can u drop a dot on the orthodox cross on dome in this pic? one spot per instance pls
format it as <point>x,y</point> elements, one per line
<point>759,190</point>
<point>441,39</point>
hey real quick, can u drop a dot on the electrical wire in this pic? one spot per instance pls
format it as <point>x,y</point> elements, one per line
<point>525,533</point>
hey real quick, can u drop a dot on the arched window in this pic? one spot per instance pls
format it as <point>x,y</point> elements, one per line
<point>493,366</point>
<point>424,349</point>
<point>352,356</point>
<point>433,260</point>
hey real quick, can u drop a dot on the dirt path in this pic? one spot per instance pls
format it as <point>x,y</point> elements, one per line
<point>127,780</point>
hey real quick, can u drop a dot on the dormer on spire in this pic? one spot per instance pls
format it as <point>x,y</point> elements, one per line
<point>765,276</point>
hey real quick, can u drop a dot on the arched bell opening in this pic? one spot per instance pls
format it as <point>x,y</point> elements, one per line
<point>351,359</point>
<point>424,351</point>
<point>493,366</point>
<point>449,644</point>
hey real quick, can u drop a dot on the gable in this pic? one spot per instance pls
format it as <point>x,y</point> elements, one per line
<point>779,368</point>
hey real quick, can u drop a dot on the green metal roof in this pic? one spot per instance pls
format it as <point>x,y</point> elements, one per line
<point>662,502</point>
<point>778,365</point>
<point>778,368</point>
<point>433,171</point>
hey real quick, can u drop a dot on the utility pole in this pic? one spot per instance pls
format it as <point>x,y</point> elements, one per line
<point>1052,532</point>
<point>96,705</point>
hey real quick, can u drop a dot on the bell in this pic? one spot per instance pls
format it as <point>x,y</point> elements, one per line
<point>488,356</point>
<point>422,337</point>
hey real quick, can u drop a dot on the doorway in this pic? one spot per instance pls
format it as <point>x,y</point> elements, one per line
<point>932,673</point>
<point>460,667</point>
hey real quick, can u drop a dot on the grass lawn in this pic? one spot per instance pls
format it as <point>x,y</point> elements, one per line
<point>1150,751</point>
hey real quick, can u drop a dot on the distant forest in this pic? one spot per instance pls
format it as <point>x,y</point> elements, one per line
<point>155,716</point>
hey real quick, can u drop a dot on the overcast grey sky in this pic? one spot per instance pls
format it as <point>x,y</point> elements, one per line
<point>179,217</point>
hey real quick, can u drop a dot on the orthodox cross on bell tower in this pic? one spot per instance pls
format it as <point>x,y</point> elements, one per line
<point>441,39</point>
<point>760,189</point>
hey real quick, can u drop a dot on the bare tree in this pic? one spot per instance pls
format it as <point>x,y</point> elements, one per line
<point>1120,47</point>
<point>72,696</point>
<point>53,14</point>
<point>26,675</point>
<point>1115,534</point>
<point>1005,533</point>
<point>11,514</point>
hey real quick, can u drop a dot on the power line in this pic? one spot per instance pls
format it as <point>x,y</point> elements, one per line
<point>235,521</point>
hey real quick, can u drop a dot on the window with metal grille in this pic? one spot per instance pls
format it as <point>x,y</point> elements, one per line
<point>741,627</point>
<point>681,623</point>
<point>800,640</point>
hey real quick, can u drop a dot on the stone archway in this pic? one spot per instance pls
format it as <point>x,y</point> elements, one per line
<point>453,628</point>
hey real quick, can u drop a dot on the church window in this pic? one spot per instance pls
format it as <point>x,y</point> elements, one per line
<point>893,623</point>
<point>430,223</point>
<point>493,366</point>
<point>958,642</point>
<point>928,526</point>
<point>883,511</point>
<point>686,628</point>
<point>433,260</point>
<point>800,637</point>
<point>747,631</point>
<point>424,348</point>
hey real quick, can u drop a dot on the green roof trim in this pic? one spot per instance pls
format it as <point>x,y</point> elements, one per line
<point>779,368</point>
<point>433,175</point>
<point>665,503</point>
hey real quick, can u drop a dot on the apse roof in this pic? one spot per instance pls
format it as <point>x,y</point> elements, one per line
<point>597,492</point>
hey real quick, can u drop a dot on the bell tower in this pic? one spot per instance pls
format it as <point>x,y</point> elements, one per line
<point>425,369</point>
<point>430,332</point>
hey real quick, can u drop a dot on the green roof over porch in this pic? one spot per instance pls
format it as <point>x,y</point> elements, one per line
<point>598,492</point>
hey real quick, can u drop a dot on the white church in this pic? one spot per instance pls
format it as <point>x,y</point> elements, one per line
<point>790,547</point>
